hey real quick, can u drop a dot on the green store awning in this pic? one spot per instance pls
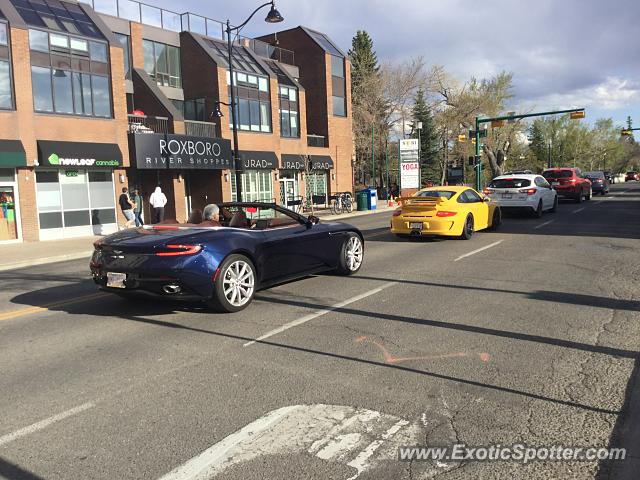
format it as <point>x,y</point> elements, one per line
<point>12,154</point>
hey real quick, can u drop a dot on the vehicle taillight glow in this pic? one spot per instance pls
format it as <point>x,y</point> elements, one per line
<point>175,250</point>
<point>572,180</point>
<point>397,212</point>
<point>528,191</point>
<point>599,180</point>
<point>443,213</point>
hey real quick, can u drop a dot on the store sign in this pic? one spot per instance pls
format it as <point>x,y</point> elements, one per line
<point>321,162</point>
<point>410,175</point>
<point>71,173</point>
<point>258,160</point>
<point>292,162</point>
<point>78,154</point>
<point>159,151</point>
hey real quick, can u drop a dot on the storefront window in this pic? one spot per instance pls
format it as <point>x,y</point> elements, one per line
<point>72,77</point>
<point>316,187</point>
<point>75,202</point>
<point>162,62</point>
<point>257,186</point>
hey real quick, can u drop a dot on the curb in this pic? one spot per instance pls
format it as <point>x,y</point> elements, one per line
<point>43,261</point>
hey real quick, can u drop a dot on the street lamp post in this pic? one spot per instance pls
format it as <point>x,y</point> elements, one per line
<point>272,17</point>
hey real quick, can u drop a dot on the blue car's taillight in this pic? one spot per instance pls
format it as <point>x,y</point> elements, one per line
<point>175,250</point>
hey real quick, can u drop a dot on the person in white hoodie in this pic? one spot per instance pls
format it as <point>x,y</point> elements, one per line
<point>158,200</point>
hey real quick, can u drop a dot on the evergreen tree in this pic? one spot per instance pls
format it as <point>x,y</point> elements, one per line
<point>429,141</point>
<point>364,61</point>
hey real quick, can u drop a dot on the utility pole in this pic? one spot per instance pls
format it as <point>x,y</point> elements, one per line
<point>549,157</point>
<point>373,155</point>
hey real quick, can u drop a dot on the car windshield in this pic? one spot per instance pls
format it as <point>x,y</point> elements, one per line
<point>557,174</point>
<point>436,194</point>
<point>631,173</point>
<point>510,183</point>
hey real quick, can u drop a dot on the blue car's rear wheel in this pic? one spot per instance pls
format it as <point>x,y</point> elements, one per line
<point>235,284</point>
<point>351,255</point>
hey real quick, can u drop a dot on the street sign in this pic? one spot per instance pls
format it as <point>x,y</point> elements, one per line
<point>410,175</point>
<point>576,115</point>
<point>497,123</point>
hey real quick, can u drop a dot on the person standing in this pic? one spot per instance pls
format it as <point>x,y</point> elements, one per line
<point>137,211</point>
<point>158,200</point>
<point>127,206</point>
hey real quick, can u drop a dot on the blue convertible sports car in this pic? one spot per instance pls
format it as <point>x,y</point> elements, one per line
<point>256,245</point>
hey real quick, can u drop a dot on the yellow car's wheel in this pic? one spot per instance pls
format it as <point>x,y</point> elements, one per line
<point>467,230</point>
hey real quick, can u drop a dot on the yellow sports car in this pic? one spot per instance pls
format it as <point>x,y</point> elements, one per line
<point>447,211</point>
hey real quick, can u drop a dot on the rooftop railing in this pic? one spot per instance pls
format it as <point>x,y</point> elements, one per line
<point>178,22</point>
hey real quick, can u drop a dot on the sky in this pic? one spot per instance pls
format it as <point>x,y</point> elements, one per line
<point>562,53</point>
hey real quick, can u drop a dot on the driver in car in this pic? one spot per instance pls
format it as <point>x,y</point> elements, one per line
<point>211,216</point>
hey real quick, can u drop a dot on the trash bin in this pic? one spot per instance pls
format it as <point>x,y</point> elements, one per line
<point>372,199</point>
<point>362,200</point>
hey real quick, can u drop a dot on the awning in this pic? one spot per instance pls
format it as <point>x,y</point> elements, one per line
<point>321,162</point>
<point>78,154</point>
<point>293,162</point>
<point>12,154</point>
<point>258,160</point>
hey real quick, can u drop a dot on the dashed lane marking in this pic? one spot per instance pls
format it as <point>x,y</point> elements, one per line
<point>319,313</point>
<point>578,210</point>
<point>10,437</point>
<point>543,224</point>
<point>486,247</point>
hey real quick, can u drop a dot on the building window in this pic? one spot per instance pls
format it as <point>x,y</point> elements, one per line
<point>257,186</point>
<point>162,62</point>
<point>194,109</point>
<point>288,98</point>
<point>253,107</point>
<point>339,86</point>
<point>126,51</point>
<point>6,91</point>
<point>69,75</point>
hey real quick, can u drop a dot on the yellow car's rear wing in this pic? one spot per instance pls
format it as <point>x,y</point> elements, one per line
<point>420,201</point>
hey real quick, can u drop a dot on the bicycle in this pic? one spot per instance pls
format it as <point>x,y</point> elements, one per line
<point>342,203</point>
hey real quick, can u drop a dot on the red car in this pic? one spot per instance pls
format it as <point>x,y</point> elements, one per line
<point>632,176</point>
<point>569,183</point>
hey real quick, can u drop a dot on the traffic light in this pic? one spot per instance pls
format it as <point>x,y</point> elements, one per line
<point>462,138</point>
<point>576,115</point>
<point>626,133</point>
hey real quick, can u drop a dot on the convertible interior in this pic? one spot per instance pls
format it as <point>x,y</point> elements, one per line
<point>250,218</point>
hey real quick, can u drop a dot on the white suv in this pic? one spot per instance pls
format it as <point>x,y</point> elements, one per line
<point>528,191</point>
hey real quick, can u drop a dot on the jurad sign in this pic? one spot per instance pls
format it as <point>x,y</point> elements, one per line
<point>158,151</point>
<point>252,160</point>
<point>78,154</point>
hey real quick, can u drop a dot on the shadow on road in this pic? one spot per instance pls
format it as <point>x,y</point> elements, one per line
<point>11,471</point>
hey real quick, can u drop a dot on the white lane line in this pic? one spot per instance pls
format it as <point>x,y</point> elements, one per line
<point>210,459</point>
<point>360,462</point>
<point>10,437</point>
<point>543,224</point>
<point>479,250</point>
<point>578,210</point>
<point>319,313</point>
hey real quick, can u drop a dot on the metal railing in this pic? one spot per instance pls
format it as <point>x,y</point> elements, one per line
<point>146,124</point>
<point>199,129</point>
<point>178,22</point>
<point>316,141</point>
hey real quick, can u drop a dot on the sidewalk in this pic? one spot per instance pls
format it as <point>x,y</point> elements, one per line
<point>29,254</point>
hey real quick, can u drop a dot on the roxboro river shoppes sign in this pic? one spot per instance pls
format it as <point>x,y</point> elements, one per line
<point>158,151</point>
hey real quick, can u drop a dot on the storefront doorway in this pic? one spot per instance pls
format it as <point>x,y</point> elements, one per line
<point>289,192</point>
<point>9,217</point>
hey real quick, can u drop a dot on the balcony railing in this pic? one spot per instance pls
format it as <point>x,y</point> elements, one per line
<point>199,129</point>
<point>146,124</point>
<point>178,22</point>
<point>316,141</point>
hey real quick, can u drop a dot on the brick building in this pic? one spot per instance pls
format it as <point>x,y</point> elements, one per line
<point>93,100</point>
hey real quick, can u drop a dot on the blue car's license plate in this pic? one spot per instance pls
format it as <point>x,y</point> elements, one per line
<point>116,280</point>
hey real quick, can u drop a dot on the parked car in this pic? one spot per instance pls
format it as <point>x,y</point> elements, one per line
<point>523,191</point>
<point>632,176</point>
<point>599,183</point>
<point>257,245</point>
<point>569,183</point>
<point>449,211</point>
<point>608,174</point>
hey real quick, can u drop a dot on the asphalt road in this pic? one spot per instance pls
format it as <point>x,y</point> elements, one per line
<point>533,340</point>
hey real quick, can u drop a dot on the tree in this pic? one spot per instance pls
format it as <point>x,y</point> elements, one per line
<point>364,62</point>
<point>429,139</point>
